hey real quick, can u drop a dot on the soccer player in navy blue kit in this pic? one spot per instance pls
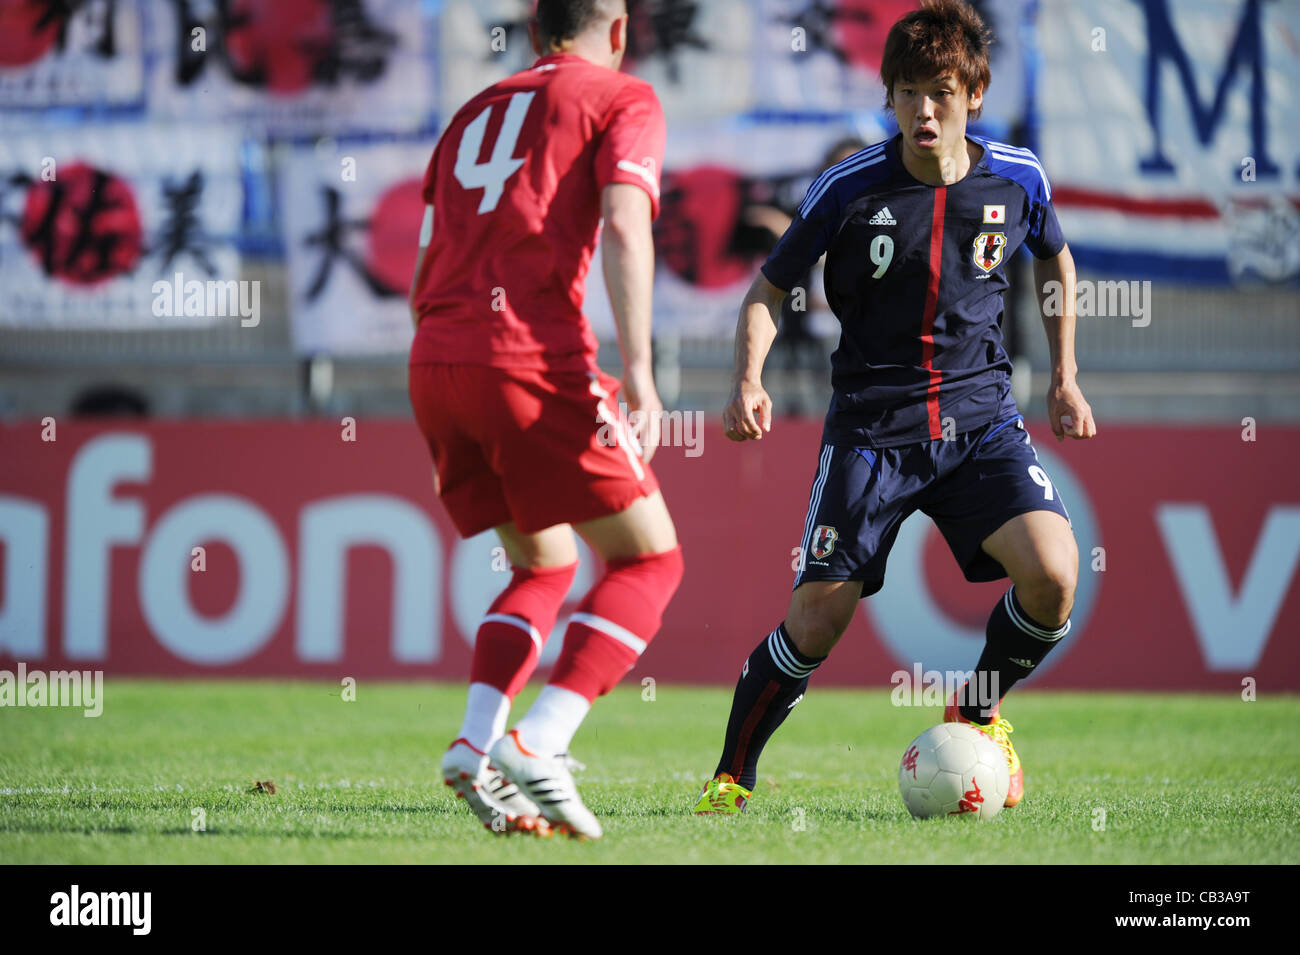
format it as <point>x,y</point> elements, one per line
<point>918,232</point>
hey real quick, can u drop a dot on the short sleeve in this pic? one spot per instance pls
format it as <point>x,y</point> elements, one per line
<point>804,241</point>
<point>632,147</point>
<point>1044,237</point>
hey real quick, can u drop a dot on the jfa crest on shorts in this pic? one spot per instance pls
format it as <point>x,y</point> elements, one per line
<point>970,486</point>
<point>824,541</point>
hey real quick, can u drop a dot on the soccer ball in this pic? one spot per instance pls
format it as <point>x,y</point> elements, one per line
<point>954,770</point>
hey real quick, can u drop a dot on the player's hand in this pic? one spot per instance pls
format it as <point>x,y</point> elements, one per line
<point>748,414</point>
<point>1068,412</point>
<point>645,411</point>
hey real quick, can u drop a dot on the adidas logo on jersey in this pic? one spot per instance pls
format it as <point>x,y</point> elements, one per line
<point>883,217</point>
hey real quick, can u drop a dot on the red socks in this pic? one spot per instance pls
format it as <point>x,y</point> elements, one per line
<point>605,636</point>
<point>613,625</point>
<point>511,635</point>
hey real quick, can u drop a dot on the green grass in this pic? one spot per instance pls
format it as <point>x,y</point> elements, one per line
<point>1182,779</point>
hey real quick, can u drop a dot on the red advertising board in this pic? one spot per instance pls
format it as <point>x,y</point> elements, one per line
<point>318,549</point>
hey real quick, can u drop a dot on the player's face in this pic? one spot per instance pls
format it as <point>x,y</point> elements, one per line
<point>932,114</point>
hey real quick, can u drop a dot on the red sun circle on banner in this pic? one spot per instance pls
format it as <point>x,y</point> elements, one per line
<point>83,227</point>
<point>285,39</point>
<point>394,235</point>
<point>21,43</point>
<point>860,28</point>
<point>701,207</point>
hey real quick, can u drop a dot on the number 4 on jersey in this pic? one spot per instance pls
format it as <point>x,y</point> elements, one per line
<point>491,176</point>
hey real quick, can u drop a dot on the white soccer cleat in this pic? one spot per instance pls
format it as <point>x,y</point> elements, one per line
<point>497,802</point>
<point>546,780</point>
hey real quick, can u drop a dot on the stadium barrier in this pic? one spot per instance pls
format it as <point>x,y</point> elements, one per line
<point>318,550</point>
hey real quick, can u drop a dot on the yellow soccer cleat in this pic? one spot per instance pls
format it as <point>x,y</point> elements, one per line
<point>1000,732</point>
<point>722,795</point>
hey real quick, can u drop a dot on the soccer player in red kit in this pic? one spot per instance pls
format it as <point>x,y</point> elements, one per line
<point>505,388</point>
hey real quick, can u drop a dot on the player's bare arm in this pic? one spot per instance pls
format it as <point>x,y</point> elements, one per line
<point>1067,410</point>
<point>749,412</point>
<point>628,260</point>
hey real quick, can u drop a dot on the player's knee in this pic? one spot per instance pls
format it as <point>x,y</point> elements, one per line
<point>1047,590</point>
<point>540,552</point>
<point>655,576</point>
<point>814,630</point>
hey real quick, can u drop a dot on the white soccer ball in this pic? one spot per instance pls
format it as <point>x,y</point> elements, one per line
<point>954,770</point>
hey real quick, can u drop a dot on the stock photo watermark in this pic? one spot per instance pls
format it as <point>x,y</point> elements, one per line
<point>920,687</point>
<point>128,909</point>
<point>1092,299</point>
<point>677,428</point>
<point>76,689</point>
<point>179,297</point>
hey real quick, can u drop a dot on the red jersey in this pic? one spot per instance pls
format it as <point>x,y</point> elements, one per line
<point>515,184</point>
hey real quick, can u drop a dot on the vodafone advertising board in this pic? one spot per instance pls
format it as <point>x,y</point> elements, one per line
<point>318,550</point>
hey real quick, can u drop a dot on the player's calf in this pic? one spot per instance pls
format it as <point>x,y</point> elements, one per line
<point>512,632</point>
<point>507,645</point>
<point>820,611</point>
<point>1014,644</point>
<point>1026,624</point>
<point>606,635</point>
<point>775,676</point>
<point>772,682</point>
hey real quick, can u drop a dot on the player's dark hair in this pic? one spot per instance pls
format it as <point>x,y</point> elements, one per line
<point>943,36</point>
<point>561,20</point>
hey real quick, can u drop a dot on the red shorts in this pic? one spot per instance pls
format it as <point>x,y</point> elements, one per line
<point>533,447</point>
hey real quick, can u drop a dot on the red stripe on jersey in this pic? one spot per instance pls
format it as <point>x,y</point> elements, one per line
<point>931,307</point>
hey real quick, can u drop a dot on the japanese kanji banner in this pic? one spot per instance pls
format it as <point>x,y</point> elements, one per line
<point>69,54</point>
<point>1168,130</point>
<point>292,66</point>
<point>352,214</point>
<point>728,191</point>
<point>698,55</point>
<point>122,226</point>
<point>824,55</point>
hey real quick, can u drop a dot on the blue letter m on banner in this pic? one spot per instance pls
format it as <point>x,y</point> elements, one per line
<point>1247,50</point>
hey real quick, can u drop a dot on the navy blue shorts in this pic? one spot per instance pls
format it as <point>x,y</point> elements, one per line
<point>970,486</point>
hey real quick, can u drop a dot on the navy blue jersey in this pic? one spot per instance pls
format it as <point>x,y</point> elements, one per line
<point>915,273</point>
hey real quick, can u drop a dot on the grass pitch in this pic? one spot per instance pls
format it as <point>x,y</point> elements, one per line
<point>1110,778</point>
